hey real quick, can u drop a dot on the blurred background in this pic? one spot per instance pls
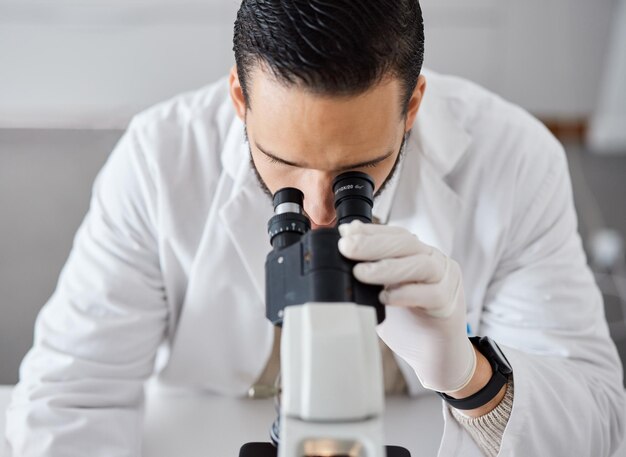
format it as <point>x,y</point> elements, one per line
<point>73,73</point>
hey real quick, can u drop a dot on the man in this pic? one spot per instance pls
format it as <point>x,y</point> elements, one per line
<point>476,232</point>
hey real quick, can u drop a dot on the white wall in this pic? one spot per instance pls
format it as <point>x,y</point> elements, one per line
<point>608,129</point>
<point>45,183</point>
<point>91,64</point>
<point>546,55</point>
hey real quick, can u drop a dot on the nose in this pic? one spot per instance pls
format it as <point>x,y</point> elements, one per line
<point>318,199</point>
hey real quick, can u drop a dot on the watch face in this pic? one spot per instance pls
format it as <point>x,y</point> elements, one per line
<point>502,361</point>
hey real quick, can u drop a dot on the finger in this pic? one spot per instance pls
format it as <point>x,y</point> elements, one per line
<point>357,227</point>
<point>382,246</point>
<point>435,300</point>
<point>416,268</point>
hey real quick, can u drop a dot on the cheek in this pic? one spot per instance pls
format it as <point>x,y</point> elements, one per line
<point>379,173</point>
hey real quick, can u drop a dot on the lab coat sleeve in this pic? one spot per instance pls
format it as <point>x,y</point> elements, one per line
<point>81,385</point>
<point>546,313</point>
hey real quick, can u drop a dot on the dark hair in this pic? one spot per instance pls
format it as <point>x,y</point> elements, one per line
<point>331,47</point>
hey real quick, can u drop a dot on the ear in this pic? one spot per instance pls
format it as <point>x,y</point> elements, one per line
<point>415,102</point>
<point>236,93</point>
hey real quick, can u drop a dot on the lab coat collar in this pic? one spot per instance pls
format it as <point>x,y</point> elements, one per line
<point>435,145</point>
<point>438,132</point>
<point>245,217</point>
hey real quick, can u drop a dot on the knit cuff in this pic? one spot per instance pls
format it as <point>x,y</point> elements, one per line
<point>487,430</point>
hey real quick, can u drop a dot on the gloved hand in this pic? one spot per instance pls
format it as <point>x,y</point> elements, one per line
<point>426,318</point>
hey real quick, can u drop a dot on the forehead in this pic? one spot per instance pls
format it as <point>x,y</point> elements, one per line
<point>290,117</point>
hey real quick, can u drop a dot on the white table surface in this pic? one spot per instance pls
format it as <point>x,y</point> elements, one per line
<point>5,392</point>
<point>184,424</point>
<point>189,425</point>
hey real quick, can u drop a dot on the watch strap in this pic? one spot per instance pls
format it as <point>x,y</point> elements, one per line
<point>499,378</point>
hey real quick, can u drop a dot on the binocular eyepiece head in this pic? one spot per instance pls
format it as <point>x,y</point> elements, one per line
<point>354,198</point>
<point>305,266</point>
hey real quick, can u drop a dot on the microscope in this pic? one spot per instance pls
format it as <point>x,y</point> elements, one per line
<point>332,394</point>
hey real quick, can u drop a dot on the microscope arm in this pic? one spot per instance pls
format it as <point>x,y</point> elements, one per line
<point>332,383</point>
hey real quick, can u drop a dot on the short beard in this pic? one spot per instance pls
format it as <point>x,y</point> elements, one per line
<point>389,177</point>
<point>394,169</point>
<point>260,181</point>
<point>262,184</point>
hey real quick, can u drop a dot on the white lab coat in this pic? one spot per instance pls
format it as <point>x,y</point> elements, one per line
<point>172,251</point>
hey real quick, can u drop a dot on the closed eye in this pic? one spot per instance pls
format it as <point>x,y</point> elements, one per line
<point>369,164</point>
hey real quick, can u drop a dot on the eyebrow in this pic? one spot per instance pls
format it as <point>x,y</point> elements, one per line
<point>343,168</point>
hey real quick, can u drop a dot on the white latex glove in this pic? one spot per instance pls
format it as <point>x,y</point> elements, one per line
<point>423,291</point>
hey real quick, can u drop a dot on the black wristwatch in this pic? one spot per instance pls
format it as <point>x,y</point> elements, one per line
<point>501,372</point>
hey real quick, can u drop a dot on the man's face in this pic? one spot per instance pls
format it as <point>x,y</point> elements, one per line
<point>304,140</point>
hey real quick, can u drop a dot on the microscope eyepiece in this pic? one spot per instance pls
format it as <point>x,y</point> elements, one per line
<point>288,200</point>
<point>288,223</point>
<point>354,197</point>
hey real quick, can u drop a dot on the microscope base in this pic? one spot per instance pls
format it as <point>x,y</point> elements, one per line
<point>269,450</point>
